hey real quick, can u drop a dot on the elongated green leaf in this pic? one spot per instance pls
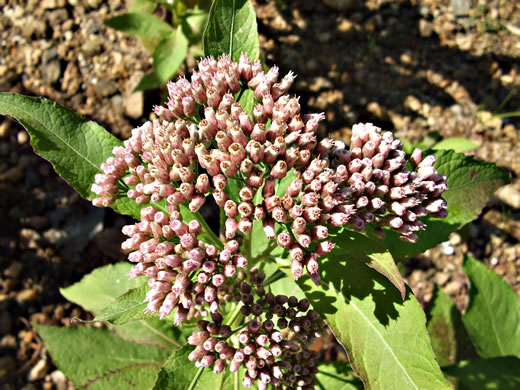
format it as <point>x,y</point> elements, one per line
<point>126,308</point>
<point>337,376</point>
<point>493,315</point>
<point>450,341</point>
<point>502,373</point>
<point>180,373</point>
<point>149,81</point>
<point>193,25</point>
<point>99,288</point>
<point>140,24</point>
<point>470,184</point>
<point>231,29</point>
<point>384,336</point>
<point>152,331</point>
<point>169,55</point>
<point>97,358</point>
<point>233,380</point>
<point>75,146</point>
<point>247,101</point>
<point>457,144</point>
<point>373,254</point>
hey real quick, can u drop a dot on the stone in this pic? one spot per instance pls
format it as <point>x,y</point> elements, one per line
<point>425,28</point>
<point>71,79</point>
<point>59,380</point>
<point>14,270</point>
<point>38,222</point>
<point>412,103</point>
<point>22,137</point>
<point>50,4</point>
<point>320,83</point>
<point>509,195</point>
<point>341,5</point>
<point>453,287</point>
<point>38,371</point>
<point>6,323</point>
<point>4,129</point>
<point>134,104</point>
<point>93,45</point>
<point>461,7</point>
<point>7,365</point>
<point>14,175</point>
<point>441,278</point>
<point>27,295</point>
<point>346,29</point>
<point>8,341</point>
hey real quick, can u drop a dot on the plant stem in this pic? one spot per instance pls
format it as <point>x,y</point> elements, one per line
<point>196,379</point>
<point>277,275</point>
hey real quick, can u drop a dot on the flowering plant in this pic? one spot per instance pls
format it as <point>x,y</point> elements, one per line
<point>302,221</point>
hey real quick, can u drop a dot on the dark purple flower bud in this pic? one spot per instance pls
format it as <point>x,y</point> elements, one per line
<point>253,326</point>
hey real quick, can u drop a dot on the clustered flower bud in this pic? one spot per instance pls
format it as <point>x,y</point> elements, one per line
<point>272,347</point>
<point>185,273</point>
<point>297,188</point>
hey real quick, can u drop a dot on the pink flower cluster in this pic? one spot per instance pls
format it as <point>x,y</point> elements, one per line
<point>207,142</point>
<point>273,346</point>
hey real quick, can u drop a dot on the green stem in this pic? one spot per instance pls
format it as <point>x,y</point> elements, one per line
<point>234,315</point>
<point>233,331</point>
<point>277,275</point>
<point>196,379</point>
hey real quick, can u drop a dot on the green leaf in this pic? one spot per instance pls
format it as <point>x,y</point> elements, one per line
<point>169,55</point>
<point>102,286</point>
<point>100,360</point>
<point>193,24</point>
<point>233,380</point>
<point>457,144</point>
<point>152,331</point>
<point>450,341</point>
<point>384,336</point>
<point>502,373</point>
<point>99,288</point>
<point>180,373</point>
<point>470,184</point>
<point>126,308</point>
<point>75,146</point>
<point>142,6</point>
<point>372,253</point>
<point>337,376</point>
<point>149,81</point>
<point>493,315</point>
<point>247,101</point>
<point>231,29</point>
<point>141,25</point>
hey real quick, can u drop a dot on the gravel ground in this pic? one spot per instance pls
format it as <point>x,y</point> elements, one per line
<point>410,66</point>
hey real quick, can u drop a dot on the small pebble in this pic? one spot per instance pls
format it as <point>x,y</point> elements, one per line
<point>14,270</point>
<point>38,371</point>
<point>447,249</point>
<point>22,137</point>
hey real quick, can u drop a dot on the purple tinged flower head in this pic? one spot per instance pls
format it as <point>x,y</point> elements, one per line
<point>298,186</point>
